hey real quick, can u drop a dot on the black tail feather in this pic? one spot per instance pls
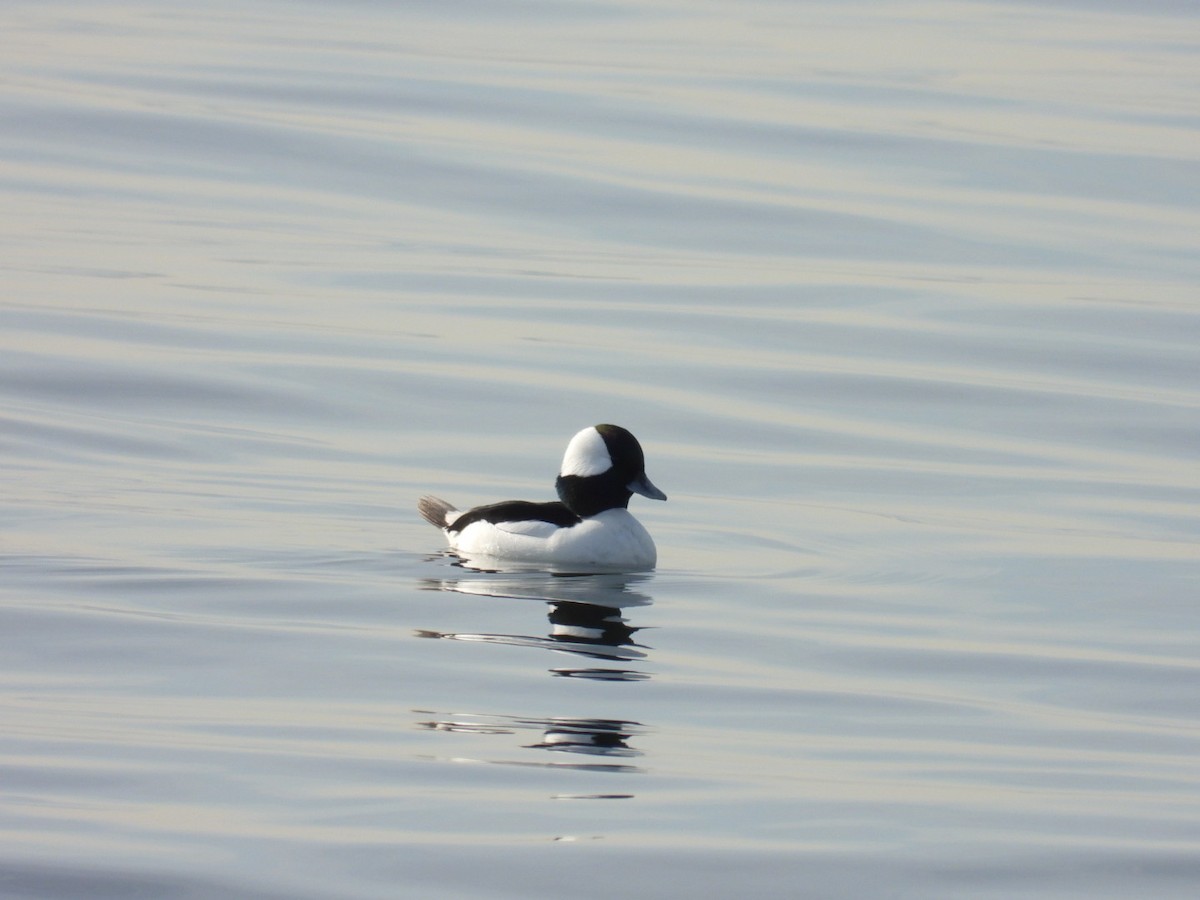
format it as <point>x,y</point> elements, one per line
<point>434,510</point>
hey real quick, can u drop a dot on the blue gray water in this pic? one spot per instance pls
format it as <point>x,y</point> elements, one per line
<point>901,299</point>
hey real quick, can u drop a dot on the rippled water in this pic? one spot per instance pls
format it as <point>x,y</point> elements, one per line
<point>900,298</point>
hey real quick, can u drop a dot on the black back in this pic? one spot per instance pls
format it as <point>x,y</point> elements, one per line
<point>517,511</point>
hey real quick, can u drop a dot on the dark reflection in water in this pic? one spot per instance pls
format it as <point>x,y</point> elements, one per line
<point>585,620</point>
<point>606,738</point>
<point>584,612</point>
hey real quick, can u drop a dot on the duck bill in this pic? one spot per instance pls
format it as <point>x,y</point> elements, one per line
<point>642,485</point>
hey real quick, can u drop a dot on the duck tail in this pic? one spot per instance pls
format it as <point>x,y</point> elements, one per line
<point>436,512</point>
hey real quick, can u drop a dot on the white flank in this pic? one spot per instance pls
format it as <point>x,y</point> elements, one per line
<point>609,541</point>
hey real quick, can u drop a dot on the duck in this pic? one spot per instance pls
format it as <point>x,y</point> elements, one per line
<point>588,529</point>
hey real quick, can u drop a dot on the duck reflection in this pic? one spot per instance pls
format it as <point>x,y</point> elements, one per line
<point>584,612</point>
<point>605,738</point>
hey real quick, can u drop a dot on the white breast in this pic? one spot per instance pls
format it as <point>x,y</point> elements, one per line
<point>611,541</point>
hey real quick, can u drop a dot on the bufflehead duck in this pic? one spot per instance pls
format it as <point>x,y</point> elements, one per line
<point>588,528</point>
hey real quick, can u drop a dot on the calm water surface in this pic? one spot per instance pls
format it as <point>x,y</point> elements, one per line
<point>900,298</point>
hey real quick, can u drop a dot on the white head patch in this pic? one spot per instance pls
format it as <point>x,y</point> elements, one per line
<point>587,454</point>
